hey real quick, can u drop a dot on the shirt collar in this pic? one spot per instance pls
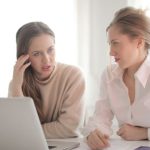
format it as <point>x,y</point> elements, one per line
<point>142,73</point>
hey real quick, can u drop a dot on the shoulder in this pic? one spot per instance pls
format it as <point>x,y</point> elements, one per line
<point>70,74</point>
<point>69,69</point>
<point>109,72</point>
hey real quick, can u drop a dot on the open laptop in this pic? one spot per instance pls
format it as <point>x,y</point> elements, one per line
<point>20,128</point>
<point>62,145</point>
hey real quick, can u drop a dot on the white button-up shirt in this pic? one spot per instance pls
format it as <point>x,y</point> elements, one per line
<point>114,100</point>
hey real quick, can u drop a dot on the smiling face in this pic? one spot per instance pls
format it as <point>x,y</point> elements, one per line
<point>126,51</point>
<point>42,55</point>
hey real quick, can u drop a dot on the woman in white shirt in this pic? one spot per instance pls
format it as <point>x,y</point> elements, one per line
<point>125,86</point>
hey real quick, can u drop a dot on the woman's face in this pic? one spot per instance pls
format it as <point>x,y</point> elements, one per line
<point>42,55</point>
<point>125,50</point>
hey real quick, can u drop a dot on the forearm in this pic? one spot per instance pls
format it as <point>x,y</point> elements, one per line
<point>58,130</point>
<point>14,91</point>
<point>67,125</point>
<point>130,132</point>
<point>144,133</point>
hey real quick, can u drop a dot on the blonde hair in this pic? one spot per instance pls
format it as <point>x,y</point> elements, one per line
<point>133,22</point>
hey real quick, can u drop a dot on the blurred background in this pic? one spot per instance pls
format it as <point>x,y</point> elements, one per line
<point>79,26</point>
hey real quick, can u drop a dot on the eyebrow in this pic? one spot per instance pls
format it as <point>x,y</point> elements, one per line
<point>114,40</point>
<point>34,51</point>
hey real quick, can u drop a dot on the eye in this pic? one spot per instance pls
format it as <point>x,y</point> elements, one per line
<point>114,43</point>
<point>36,53</point>
<point>50,49</point>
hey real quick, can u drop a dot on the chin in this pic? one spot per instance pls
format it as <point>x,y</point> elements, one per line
<point>122,66</point>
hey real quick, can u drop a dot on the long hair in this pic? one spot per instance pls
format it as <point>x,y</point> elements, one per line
<point>23,39</point>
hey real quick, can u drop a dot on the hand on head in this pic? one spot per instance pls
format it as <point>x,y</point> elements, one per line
<point>19,70</point>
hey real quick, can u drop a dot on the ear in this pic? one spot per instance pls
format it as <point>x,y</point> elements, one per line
<point>140,43</point>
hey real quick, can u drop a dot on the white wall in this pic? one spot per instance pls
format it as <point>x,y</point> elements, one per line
<point>60,15</point>
<point>93,18</point>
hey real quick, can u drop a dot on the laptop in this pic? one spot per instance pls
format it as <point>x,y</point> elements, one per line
<point>62,145</point>
<point>20,127</point>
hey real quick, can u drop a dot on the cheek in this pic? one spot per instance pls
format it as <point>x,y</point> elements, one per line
<point>52,57</point>
<point>34,66</point>
<point>34,63</point>
<point>127,50</point>
<point>129,55</point>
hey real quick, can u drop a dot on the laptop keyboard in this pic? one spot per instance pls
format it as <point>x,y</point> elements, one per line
<point>51,147</point>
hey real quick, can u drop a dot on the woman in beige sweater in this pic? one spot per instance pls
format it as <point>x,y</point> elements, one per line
<point>57,89</point>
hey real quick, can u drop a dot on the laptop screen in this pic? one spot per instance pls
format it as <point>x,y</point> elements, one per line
<point>20,127</point>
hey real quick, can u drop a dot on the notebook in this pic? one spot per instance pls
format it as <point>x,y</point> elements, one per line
<point>20,127</point>
<point>143,148</point>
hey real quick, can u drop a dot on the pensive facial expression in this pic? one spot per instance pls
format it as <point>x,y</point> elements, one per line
<point>42,55</point>
<point>125,50</point>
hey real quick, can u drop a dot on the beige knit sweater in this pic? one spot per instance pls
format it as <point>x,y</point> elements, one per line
<point>63,102</point>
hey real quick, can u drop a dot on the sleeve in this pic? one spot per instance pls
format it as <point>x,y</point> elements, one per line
<point>103,115</point>
<point>10,91</point>
<point>72,111</point>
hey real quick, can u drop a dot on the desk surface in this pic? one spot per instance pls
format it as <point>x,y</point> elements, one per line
<point>118,144</point>
<point>115,142</point>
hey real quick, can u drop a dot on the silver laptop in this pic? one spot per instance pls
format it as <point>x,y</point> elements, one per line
<point>62,145</point>
<point>20,128</point>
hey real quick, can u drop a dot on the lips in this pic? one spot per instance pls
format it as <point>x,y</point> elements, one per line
<point>45,68</point>
<point>117,59</point>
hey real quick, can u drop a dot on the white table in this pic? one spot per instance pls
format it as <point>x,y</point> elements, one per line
<point>119,144</point>
<point>115,142</point>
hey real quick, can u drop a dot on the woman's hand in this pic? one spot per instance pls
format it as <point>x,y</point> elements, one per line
<point>18,75</point>
<point>97,140</point>
<point>130,132</point>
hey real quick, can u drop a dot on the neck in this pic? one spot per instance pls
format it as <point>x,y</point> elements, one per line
<point>133,69</point>
<point>129,74</point>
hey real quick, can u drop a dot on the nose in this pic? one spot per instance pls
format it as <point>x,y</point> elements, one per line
<point>112,52</point>
<point>45,58</point>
